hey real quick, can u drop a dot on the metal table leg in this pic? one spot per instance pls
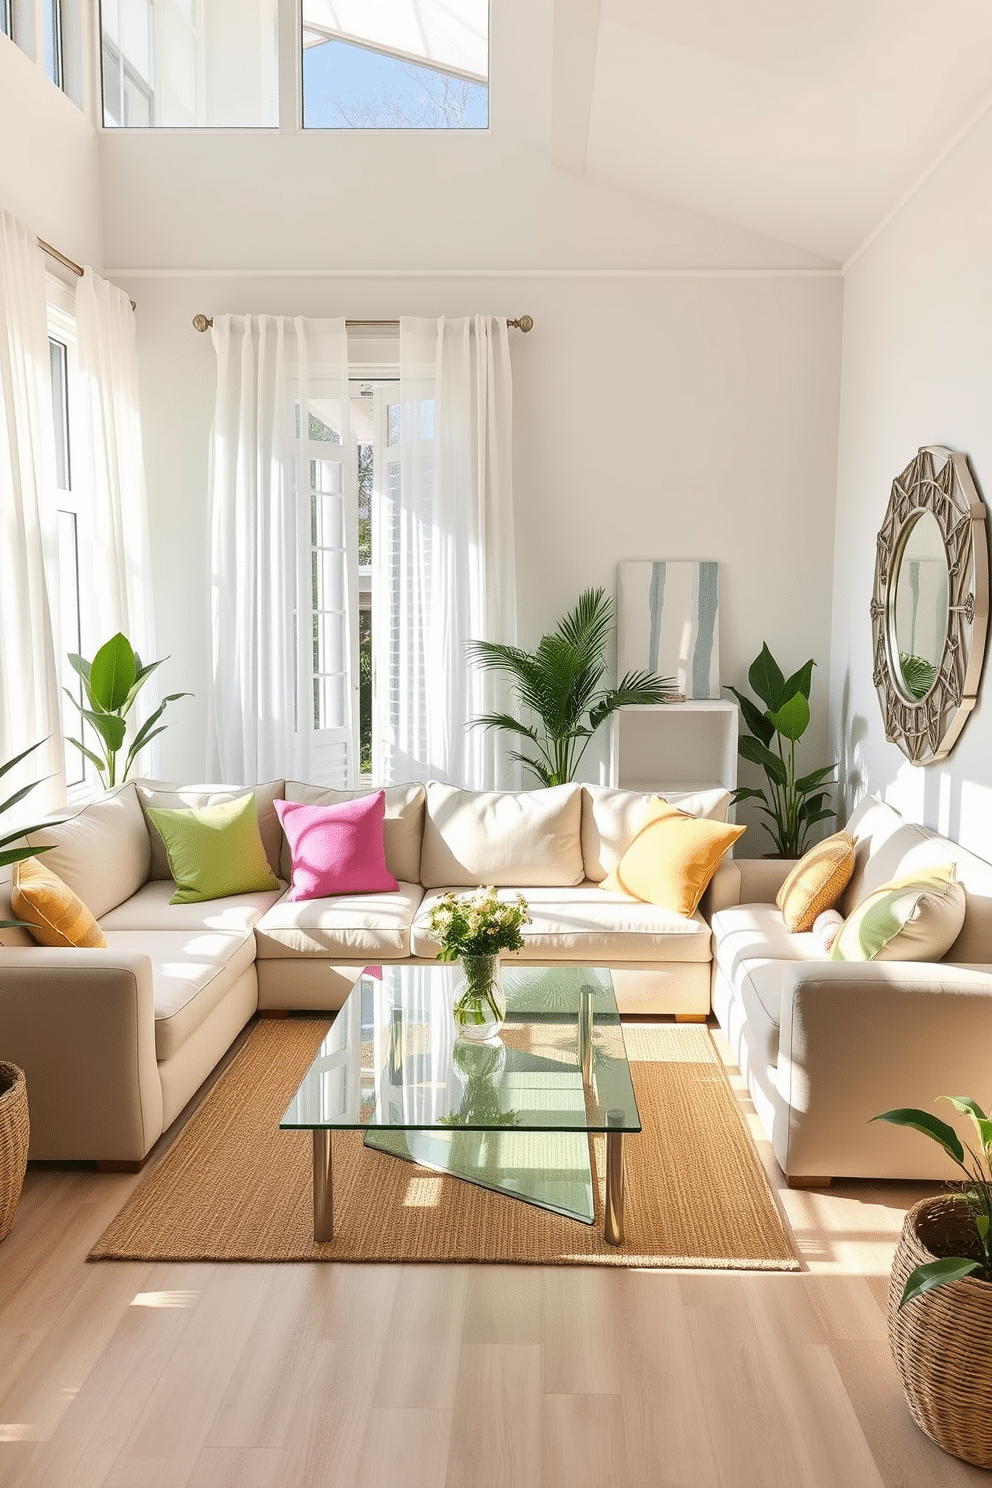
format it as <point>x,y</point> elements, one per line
<point>613,1210</point>
<point>323,1186</point>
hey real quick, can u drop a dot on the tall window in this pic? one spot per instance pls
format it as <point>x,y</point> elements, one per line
<point>5,18</point>
<point>70,515</point>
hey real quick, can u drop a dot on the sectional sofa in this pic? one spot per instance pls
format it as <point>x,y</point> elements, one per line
<point>826,1045</point>
<point>116,1041</point>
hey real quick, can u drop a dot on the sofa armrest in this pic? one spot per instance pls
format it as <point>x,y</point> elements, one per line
<point>745,881</point>
<point>81,1024</point>
<point>857,1039</point>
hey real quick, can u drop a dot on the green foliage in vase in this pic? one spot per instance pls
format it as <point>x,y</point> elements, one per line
<point>975,1192</point>
<point>792,804</point>
<point>558,685</point>
<point>111,682</point>
<point>9,853</point>
<point>478,924</point>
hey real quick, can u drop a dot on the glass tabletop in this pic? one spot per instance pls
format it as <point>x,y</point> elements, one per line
<point>392,1061</point>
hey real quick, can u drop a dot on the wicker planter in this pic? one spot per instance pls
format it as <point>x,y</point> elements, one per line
<point>942,1341</point>
<point>13,1141</point>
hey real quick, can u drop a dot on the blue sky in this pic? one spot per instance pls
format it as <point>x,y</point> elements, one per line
<point>336,70</point>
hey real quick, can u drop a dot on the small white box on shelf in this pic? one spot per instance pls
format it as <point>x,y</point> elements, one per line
<point>675,746</point>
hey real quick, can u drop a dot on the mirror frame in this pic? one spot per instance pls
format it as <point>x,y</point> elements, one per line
<point>938,481</point>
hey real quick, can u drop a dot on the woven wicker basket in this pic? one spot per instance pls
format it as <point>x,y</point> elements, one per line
<point>942,1341</point>
<point>13,1141</point>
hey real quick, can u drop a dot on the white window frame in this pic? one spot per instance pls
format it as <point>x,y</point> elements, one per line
<point>75,501</point>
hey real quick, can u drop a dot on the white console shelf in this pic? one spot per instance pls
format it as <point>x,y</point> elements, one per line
<point>675,746</point>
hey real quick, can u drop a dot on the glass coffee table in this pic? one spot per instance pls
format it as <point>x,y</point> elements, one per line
<point>515,1114</point>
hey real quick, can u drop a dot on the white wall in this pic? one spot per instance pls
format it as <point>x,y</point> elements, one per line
<point>676,417</point>
<point>49,161</point>
<point>917,369</point>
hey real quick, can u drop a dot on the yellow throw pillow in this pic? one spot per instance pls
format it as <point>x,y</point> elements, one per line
<point>672,858</point>
<point>52,912</point>
<point>817,881</point>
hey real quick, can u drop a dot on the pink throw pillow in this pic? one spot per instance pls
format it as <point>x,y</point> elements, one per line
<point>337,849</point>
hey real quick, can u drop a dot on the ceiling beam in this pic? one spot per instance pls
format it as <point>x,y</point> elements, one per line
<point>573,65</point>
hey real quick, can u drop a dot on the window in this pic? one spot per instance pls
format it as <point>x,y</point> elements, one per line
<point>51,23</point>
<point>70,515</point>
<point>36,27</point>
<point>5,18</point>
<point>184,64</point>
<point>406,64</point>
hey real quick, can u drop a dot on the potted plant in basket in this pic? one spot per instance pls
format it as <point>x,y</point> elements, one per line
<point>14,1129</point>
<point>940,1293</point>
<point>791,803</point>
<point>474,928</point>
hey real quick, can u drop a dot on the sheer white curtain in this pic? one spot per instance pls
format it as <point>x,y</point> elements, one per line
<point>281,535</point>
<point>29,687</point>
<point>116,543</point>
<point>446,555</point>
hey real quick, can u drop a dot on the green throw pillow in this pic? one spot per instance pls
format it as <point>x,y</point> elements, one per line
<point>215,850</point>
<point>910,919</point>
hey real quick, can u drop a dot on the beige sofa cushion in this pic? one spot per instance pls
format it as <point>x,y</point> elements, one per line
<point>149,909</point>
<point>192,970</point>
<point>102,852</point>
<point>611,819</point>
<point>584,924</point>
<point>347,926</point>
<point>401,833</point>
<point>167,796</point>
<point>506,838</point>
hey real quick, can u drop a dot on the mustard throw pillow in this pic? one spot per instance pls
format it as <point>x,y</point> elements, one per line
<point>817,881</point>
<point>910,919</point>
<point>54,915</point>
<point>672,858</point>
<point>214,850</point>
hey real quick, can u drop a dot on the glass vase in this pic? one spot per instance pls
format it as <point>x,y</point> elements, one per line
<point>480,1002</point>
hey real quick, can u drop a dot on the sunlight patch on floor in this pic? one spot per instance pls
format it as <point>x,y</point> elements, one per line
<point>423,1193</point>
<point>165,1299</point>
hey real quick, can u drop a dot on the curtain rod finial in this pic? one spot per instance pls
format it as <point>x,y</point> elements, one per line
<point>202,322</point>
<point>525,323</point>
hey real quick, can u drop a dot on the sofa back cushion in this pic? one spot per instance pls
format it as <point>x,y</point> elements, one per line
<point>165,795</point>
<point>611,819</point>
<point>508,838</point>
<point>102,852</point>
<point>887,848</point>
<point>402,830</point>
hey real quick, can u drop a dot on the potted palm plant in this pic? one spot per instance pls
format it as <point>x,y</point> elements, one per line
<point>940,1293</point>
<point>559,685</point>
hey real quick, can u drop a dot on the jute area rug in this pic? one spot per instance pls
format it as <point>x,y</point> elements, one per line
<point>233,1187</point>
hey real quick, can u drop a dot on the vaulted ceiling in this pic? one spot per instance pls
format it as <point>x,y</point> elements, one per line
<point>806,120</point>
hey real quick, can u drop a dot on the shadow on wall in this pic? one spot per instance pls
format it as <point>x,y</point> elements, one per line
<point>852,767</point>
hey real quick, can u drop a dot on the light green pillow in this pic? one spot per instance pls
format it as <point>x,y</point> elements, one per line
<point>214,850</point>
<point>910,919</point>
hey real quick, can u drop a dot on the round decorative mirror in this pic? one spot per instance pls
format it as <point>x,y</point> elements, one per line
<point>929,605</point>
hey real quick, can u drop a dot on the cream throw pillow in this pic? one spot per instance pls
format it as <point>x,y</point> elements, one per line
<point>54,915</point>
<point>817,881</point>
<point>672,858</point>
<point>910,919</point>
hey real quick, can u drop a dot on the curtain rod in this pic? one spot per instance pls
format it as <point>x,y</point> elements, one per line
<point>67,263</point>
<point>523,323</point>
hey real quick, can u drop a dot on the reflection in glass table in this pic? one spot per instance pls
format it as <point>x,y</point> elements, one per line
<point>515,1114</point>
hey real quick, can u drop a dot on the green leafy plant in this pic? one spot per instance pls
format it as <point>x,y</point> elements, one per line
<point>558,684</point>
<point>792,804</point>
<point>478,924</point>
<point>918,676</point>
<point>975,1191</point>
<point>8,853</point>
<point>111,682</point>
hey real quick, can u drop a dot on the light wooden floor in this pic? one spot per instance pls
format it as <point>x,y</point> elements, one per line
<point>239,1376</point>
